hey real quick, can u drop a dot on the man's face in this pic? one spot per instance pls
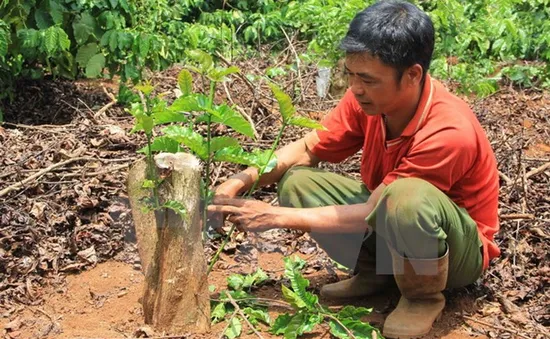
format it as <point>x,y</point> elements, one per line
<point>375,84</point>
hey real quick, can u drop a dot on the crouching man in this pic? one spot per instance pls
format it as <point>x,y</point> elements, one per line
<point>425,212</point>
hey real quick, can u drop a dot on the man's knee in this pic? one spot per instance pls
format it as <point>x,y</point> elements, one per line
<point>407,212</point>
<point>406,198</point>
<point>289,184</point>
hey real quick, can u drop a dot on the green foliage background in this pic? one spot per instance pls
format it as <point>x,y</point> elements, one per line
<point>479,42</point>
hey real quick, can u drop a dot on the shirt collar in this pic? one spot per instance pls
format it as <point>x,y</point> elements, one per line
<point>424,105</point>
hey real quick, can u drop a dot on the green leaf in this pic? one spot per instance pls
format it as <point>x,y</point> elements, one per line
<point>83,27</point>
<point>29,38</point>
<point>166,116</point>
<point>217,74</point>
<point>185,135</point>
<point>85,53</point>
<point>235,281</point>
<point>125,40</point>
<point>235,155</point>
<point>294,263</point>
<point>56,11</point>
<point>293,299</point>
<point>42,18</point>
<point>265,160</point>
<point>114,3</point>
<point>299,284</point>
<point>359,329</point>
<point>51,40</point>
<point>147,123</point>
<point>4,41</point>
<point>177,207</point>
<point>144,45</point>
<point>202,58</point>
<point>254,279</point>
<point>190,103</point>
<point>105,38</point>
<point>131,72</point>
<point>353,312</point>
<point>218,312</point>
<point>281,323</point>
<point>255,315</point>
<point>306,122</point>
<point>81,32</point>
<point>145,88</point>
<point>162,144</point>
<point>295,326</point>
<point>63,39</point>
<point>95,65</point>
<point>218,143</point>
<point>286,107</point>
<point>124,5</point>
<point>148,184</point>
<point>311,321</point>
<point>113,41</point>
<point>241,297</point>
<point>233,119</point>
<point>185,82</point>
<point>337,330</point>
<point>234,329</point>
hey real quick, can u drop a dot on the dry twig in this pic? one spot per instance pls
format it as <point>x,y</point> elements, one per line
<point>516,216</point>
<point>496,327</point>
<point>238,309</point>
<point>537,170</point>
<point>228,323</point>
<point>243,113</point>
<point>107,106</point>
<point>35,176</point>
<point>297,64</point>
<point>42,128</point>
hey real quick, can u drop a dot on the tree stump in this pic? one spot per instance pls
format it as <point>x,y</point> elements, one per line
<point>175,298</point>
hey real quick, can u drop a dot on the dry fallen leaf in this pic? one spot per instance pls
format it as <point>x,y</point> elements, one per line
<point>38,208</point>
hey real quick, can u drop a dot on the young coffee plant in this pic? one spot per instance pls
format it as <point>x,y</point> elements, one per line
<point>288,117</point>
<point>189,110</point>
<point>308,313</point>
<point>193,110</point>
<point>239,288</point>
<point>345,323</point>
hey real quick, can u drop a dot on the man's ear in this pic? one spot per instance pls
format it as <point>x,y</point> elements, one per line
<point>413,74</point>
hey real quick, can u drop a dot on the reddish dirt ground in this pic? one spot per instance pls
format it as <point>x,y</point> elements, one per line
<point>103,302</point>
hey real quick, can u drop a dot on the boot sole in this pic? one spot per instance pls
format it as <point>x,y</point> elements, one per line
<point>408,336</point>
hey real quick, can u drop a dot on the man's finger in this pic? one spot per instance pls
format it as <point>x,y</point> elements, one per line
<point>222,209</point>
<point>229,201</point>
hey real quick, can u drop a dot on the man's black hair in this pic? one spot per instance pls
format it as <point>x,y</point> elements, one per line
<point>397,32</point>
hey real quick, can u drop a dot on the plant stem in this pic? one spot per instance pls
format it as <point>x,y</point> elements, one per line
<point>330,316</point>
<point>248,194</point>
<point>271,152</point>
<point>151,169</point>
<point>151,173</point>
<point>208,159</point>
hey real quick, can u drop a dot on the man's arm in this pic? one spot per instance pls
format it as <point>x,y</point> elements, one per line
<point>294,154</point>
<point>258,216</point>
<point>333,219</point>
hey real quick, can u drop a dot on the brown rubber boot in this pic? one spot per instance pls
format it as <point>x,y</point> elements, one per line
<point>366,282</point>
<point>420,282</point>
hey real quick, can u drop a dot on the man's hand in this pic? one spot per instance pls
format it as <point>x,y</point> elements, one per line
<point>248,215</point>
<point>227,190</point>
